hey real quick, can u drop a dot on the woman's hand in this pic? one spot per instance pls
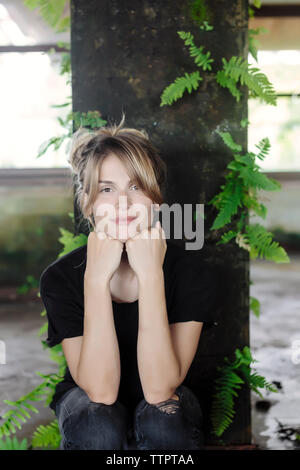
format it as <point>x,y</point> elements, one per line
<point>103,258</point>
<point>146,251</point>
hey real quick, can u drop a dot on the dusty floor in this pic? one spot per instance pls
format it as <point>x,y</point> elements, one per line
<point>275,344</point>
<point>274,339</point>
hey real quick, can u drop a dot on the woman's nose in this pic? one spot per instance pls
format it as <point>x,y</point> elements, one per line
<point>124,201</point>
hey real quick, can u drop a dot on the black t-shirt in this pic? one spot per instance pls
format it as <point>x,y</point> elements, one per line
<point>190,289</point>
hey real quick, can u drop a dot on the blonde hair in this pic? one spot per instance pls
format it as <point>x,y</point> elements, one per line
<point>131,146</point>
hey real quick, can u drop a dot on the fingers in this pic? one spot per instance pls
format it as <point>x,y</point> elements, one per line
<point>160,230</point>
<point>101,235</point>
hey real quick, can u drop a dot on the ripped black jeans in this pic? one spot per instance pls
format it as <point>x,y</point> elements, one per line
<point>168,425</point>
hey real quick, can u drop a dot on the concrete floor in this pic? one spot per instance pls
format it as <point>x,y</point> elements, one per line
<point>272,338</point>
<point>275,344</point>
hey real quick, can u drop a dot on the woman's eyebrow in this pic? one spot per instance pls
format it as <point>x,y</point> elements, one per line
<point>111,182</point>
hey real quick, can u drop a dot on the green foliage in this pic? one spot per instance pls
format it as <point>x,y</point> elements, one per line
<point>252,42</point>
<point>233,375</point>
<point>13,444</point>
<point>52,12</point>
<point>44,391</point>
<point>206,26</point>
<point>244,122</point>
<point>257,4</point>
<point>45,436</point>
<point>70,241</point>
<point>175,91</point>
<point>255,306</point>
<point>190,81</point>
<point>90,119</point>
<point>238,70</point>
<point>21,406</point>
<point>260,244</point>
<point>240,191</point>
<point>200,12</point>
<point>200,59</point>
<point>31,282</point>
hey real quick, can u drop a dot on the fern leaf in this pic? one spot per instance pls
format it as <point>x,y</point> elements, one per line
<point>13,444</point>
<point>263,246</point>
<point>222,411</point>
<point>263,147</point>
<point>228,140</point>
<point>175,91</point>
<point>226,237</point>
<point>254,178</point>
<point>47,435</point>
<point>201,59</point>
<point>238,70</point>
<point>231,199</point>
<point>228,82</point>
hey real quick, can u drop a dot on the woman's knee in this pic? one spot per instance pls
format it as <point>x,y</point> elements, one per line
<point>96,426</point>
<point>170,424</point>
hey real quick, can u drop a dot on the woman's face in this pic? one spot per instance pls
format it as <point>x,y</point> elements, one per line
<point>119,198</point>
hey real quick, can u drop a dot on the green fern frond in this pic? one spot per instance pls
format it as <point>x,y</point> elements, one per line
<point>252,42</point>
<point>238,70</point>
<point>232,376</point>
<point>45,436</point>
<point>252,204</point>
<point>13,444</point>
<point>257,381</point>
<point>228,82</point>
<point>263,147</point>
<point>262,244</point>
<point>228,140</point>
<point>200,59</point>
<point>226,237</point>
<point>13,416</point>
<point>230,201</point>
<point>52,13</point>
<point>222,411</point>
<point>175,91</point>
<point>254,178</point>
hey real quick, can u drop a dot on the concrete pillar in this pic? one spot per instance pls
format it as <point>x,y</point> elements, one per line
<point>124,54</point>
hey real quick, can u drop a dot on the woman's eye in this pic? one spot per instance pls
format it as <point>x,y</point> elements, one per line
<point>103,190</point>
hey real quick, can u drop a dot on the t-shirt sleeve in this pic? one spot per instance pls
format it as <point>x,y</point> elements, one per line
<point>195,293</point>
<point>62,304</point>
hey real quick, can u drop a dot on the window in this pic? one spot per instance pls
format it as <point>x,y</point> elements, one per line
<point>30,85</point>
<point>279,60</point>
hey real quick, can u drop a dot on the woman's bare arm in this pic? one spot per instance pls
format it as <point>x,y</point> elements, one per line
<point>99,371</point>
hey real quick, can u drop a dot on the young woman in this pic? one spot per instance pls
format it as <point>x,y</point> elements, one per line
<point>128,307</point>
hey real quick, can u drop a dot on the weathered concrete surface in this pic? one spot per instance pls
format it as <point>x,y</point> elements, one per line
<point>271,337</point>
